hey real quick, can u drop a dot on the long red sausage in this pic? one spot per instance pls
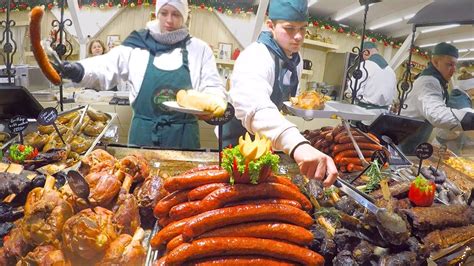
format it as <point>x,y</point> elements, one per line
<point>195,179</point>
<point>202,191</point>
<point>235,193</point>
<point>217,246</point>
<point>241,261</point>
<point>210,220</point>
<point>163,206</point>
<point>35,36</point>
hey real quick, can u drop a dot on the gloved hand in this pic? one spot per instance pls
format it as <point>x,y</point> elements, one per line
<point>72,71</point>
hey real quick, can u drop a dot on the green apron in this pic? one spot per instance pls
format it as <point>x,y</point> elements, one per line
<point>152,124</point>
<point>233,129</point>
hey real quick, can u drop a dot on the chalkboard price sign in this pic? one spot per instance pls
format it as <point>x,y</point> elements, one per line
<point>18,124</point>
<point>48,116</point>
<point>424,151</point>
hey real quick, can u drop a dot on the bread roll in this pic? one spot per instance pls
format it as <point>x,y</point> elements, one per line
<point>201,101</point>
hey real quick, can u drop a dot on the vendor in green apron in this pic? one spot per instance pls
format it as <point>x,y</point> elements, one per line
<point>158,62</point>
<point>429,99</point>
<point>265,75</point>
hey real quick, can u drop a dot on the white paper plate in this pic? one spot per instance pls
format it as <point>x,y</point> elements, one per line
<point>174,106</point>
<point>333,109</point>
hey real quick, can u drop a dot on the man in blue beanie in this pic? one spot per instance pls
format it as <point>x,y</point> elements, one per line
<point>429,98</point>
<point>265,75</point>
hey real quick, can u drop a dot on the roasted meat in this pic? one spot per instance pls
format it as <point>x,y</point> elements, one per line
<point>398,191</point>
<point>45,214</point>
<point>12,184</point>
<point>136,166</point>
<point>8,213</point>
<point>88,233</point>
<point>147,194</point>
<point>402,258</point>
<point>97,160</point>
<point>438,217</point>
<point>344,258</point>
<point>125,250</point>
<point>444,238</point>
<point>5,228</point>
<point>363,252</point>
<point>104,187</point>
<point>126,212</point>
<point>15,245</point>
<point>94,128</point>
<point>97,115</point>
<point>44,255</point>
<point>36,140</point>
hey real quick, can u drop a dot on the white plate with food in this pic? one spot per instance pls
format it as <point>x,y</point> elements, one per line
<point>174,106</point>
<point>332,110</point>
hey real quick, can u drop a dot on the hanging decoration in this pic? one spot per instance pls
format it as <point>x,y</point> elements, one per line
<point>232,7</point>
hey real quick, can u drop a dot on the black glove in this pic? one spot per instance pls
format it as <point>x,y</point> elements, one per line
<point>467,122</point>
<point>72,71</point>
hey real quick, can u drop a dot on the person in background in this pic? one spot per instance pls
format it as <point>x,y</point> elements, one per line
<point>378,90</point>
<point>267,73</point>
<point>460,97</point>
<point>158,62</point>
<point>96,47</point>
<point>429,99</point>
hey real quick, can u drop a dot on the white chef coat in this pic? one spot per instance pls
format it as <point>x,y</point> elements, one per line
<point>380,86</point>
<point>426,101</point>
<point>251,87</point>
<point>130,64</point>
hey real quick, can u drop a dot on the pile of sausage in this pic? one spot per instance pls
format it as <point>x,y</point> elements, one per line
<point>335,142</point>
<point>205,220</point>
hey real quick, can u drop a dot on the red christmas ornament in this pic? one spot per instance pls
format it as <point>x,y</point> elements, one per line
<point>385,44</point>
<point>12,6</point>
<point>50,6</point>
<point>315,23</point>
<point>327,27</point>
<point>374,40</point>
<point>110,4</point>
<point>124,2</point>
<point>220,9</point>
<point>237,10</point>
<point>139,2</point>
<point>202,6</point>
<point>340,30</point>
<point>2,10</point>
<point>153,2</point>
<point>94,3</point>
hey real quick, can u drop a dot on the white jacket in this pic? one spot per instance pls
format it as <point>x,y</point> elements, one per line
<point>251,87</point>
<point>128,63</point>
<point>380,86</point>
<point>426,101</point>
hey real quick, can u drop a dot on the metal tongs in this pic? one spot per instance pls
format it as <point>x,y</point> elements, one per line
<point>50,52</point>
<point>356,146</point>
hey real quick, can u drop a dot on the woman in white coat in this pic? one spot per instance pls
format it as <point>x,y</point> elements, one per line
<point>157,61</point>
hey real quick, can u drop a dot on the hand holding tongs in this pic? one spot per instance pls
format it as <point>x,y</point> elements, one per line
<point>50,52</point>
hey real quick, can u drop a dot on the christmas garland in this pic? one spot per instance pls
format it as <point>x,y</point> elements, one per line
<point>233,7</point>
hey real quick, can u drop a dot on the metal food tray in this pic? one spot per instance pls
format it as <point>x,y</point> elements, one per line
<point>33,126</point>
<point>333,110</point>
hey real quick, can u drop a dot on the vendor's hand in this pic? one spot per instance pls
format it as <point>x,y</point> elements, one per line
<point>315,164</point>
<point>72,71</point>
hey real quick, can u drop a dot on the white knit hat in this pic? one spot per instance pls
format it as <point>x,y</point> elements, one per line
<point>181,5</point>
<point>466,84</point>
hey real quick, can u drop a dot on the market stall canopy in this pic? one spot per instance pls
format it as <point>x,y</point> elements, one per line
<point>443,12</point>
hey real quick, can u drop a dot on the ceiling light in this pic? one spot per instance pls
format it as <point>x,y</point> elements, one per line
<point>464,40</point>
<point>409,16</point>
<point>440,28</point>
<point>390,22</point>
<point>427,45</point>
<point>463,50</point>
<point>466,59</point>
<point>351,12</point>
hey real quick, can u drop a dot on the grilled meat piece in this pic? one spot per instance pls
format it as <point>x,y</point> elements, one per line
<point>438,217</point>
<point>96,161</point>
<point>344,258</point>
<point>125,250</point>
<point>103,188</point>
<point>348,205</point>
<point>402,258</point>
<point>147,194</point>
<point>399,191</point>
<point>346,239</point>
<point>88,233</point>
<point>15,245</point>
<point>12,184</point>
<point>439,239</point>
<point>44,255</point>
<point>45,214</point>
<point>126,212</point>
<point>322,243</point>
<point>5,228</point>
<point>363,252</point>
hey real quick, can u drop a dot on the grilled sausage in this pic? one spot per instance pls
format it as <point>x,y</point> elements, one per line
<point>202,191</point>
<point>195,179</point>
<point>242,246</point>
<point>210,220</point>
<point>292,203</point>
<point>35,36</point>
<point>238,192</point>
<point>202,168</point>
<point>168,233</point>
<point>165,204</point>
<point>349,146</point>
<point>351,153</point>
<point>241,261</point>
